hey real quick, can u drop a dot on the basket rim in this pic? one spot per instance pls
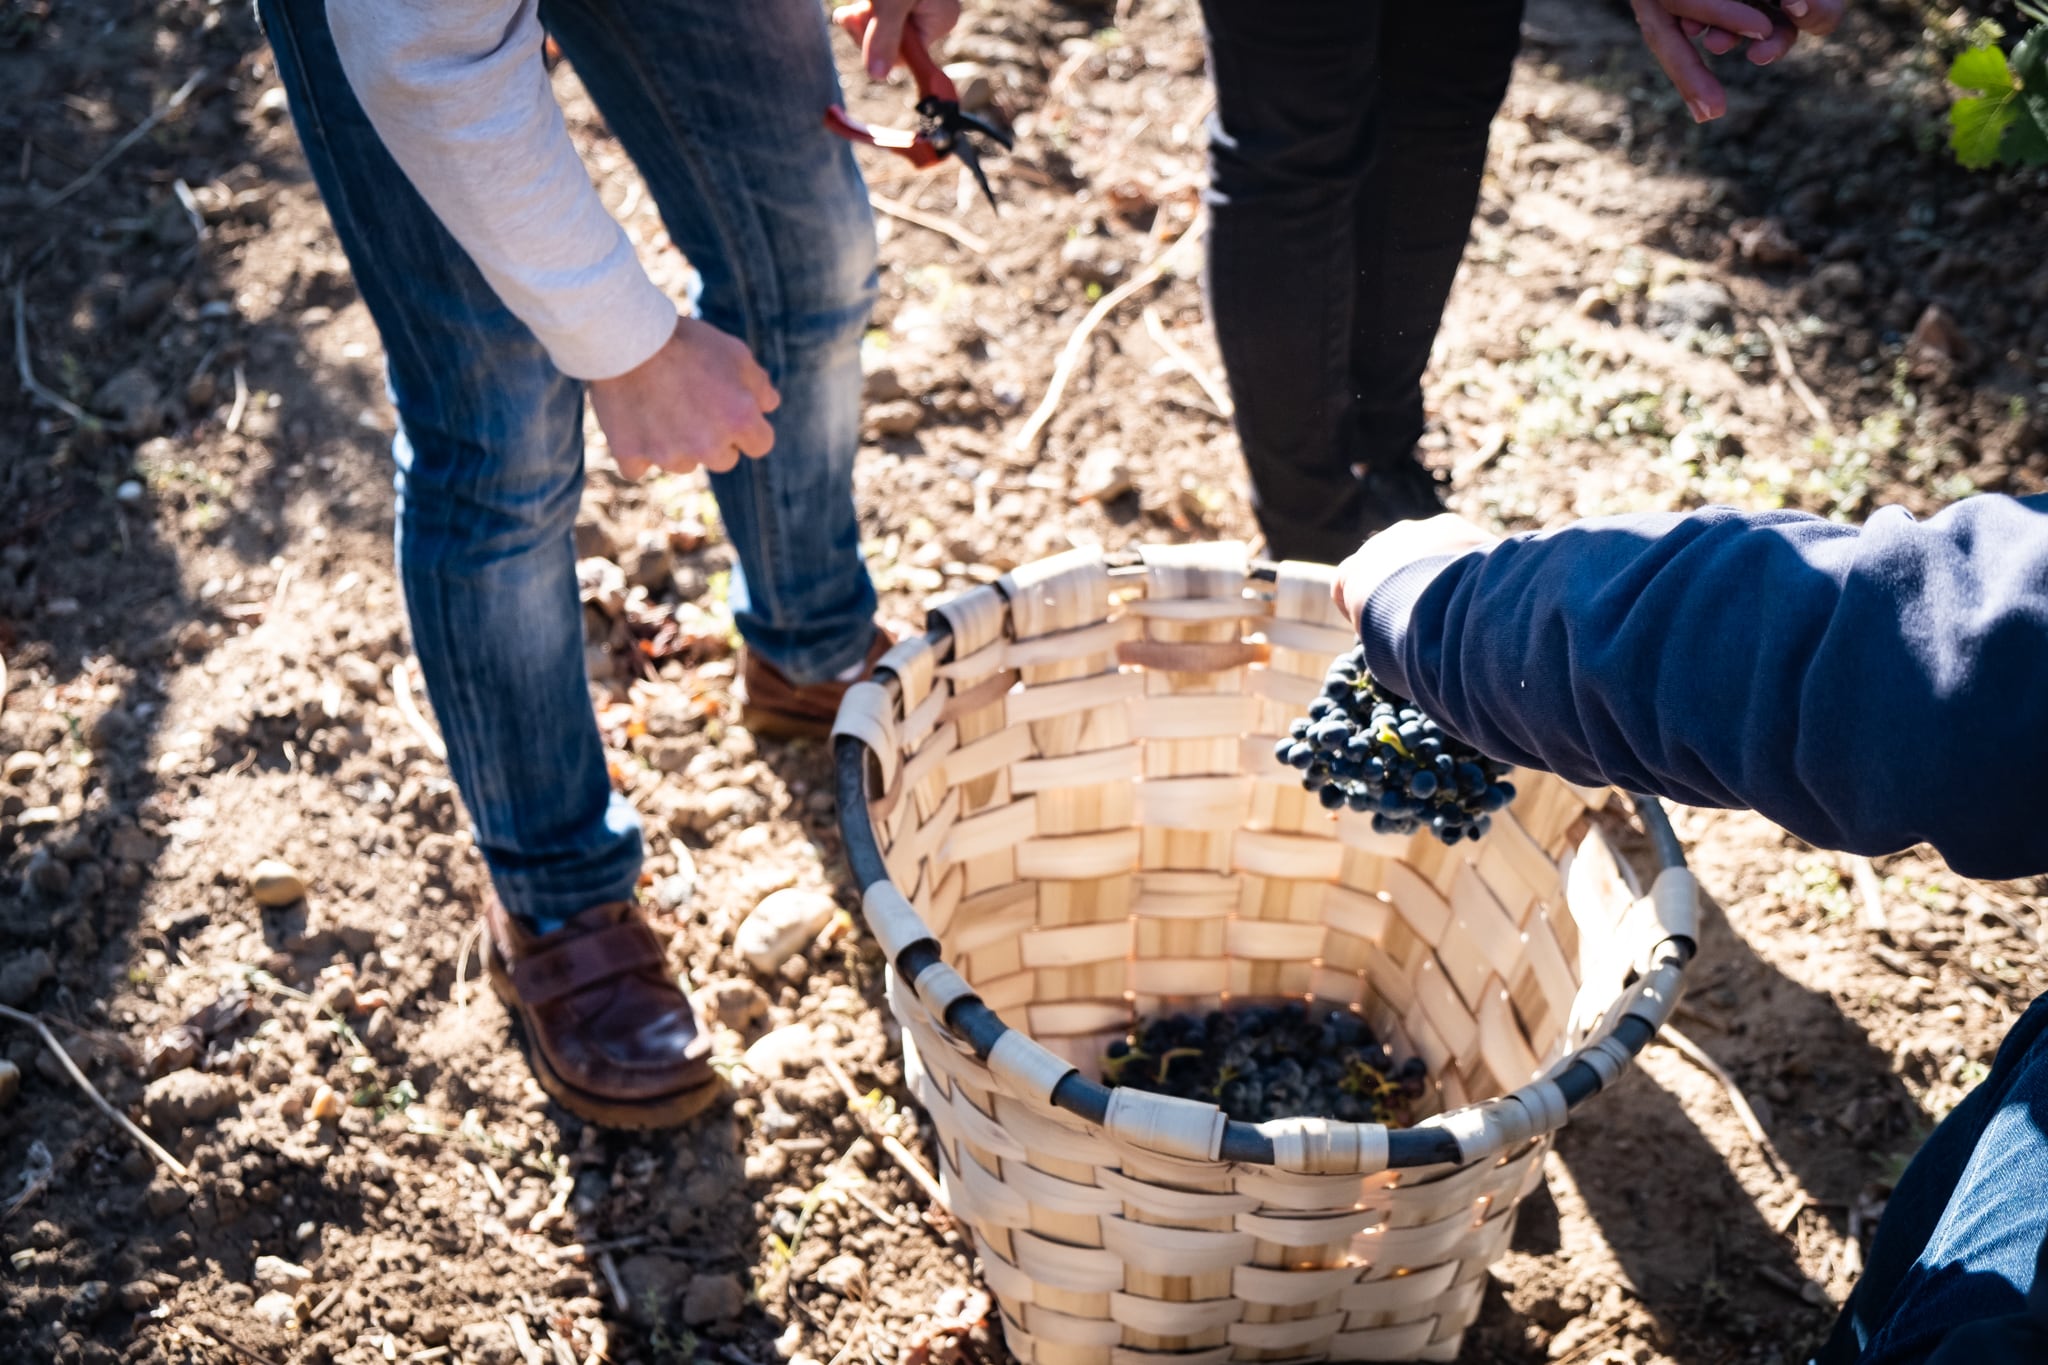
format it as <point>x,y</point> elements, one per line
<point>1454,1137</point>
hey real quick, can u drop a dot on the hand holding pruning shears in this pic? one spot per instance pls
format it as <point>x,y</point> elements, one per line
<point>1670,27</point>
<point>893,30</point>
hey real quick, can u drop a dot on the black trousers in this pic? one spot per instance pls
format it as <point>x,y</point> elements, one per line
<point>1345,155</point>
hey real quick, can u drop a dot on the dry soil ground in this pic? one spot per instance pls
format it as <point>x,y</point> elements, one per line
<point>206,667</point>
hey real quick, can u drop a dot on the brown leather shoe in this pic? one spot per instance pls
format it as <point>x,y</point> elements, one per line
<point>609,1033</point>
<point>774,706</point>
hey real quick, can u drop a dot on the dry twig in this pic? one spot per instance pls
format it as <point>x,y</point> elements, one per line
<point>902,1155</point>
<point>401,692</point>
<point>34,387</point>
<point>1808,399</point>
<point>147,1143</point>
<point>1179,355</point>
<point>522,1337</point>
<point>1699,1057</point>
<point>213,1331</point>
<point>128,139</point>
<point>469,941</point>
<point>931,222</point>
<point>241,404</point>
<point>1077,344</point>
<point>610,1268</point>
<point>1869,895</point>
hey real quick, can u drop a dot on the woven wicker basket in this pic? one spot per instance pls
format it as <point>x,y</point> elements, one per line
<point>1064,809</point>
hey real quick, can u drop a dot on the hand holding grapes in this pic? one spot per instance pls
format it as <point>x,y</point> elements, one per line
<point>1396,548</point>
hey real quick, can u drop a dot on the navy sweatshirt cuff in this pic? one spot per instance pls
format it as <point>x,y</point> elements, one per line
<point>1383,624</point>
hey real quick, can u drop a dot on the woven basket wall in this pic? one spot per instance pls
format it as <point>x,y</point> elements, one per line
<point>1080,804</point>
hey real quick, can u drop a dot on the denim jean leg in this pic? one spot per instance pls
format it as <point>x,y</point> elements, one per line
<point>720,107</point>
<point>1290,144</point>
<point>489,475</point>
<point>1963,1236</point>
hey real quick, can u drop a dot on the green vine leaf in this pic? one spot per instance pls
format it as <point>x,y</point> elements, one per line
<point>1977,123</point>
<point>1982,69</point>
<point>1976,126</point>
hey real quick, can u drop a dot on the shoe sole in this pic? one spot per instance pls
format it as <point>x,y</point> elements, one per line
<point>763,724</point>
<point>659,1111</point>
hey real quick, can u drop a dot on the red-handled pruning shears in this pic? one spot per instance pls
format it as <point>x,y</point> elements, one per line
<point>942,126</point>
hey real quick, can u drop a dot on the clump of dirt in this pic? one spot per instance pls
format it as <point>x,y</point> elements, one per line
<point>236,878</point>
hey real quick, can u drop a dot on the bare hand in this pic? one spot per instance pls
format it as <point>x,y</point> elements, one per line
<point>879,26</point>
<point>1396,548</point>
<point>1720,26</point>
<point>699,400</point>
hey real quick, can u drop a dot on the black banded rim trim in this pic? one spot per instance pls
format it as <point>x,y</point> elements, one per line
<point>973,1022</point>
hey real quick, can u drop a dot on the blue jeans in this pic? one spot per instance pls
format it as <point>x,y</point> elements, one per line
<point>1958,1272</point>
<point>720,106</point>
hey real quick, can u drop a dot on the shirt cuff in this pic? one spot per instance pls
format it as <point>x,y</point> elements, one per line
<point>621,324</point>
<point>1383,624</point>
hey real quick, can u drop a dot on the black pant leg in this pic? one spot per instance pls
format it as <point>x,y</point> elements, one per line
<point>1289,146</point>
<point>1415,212</point>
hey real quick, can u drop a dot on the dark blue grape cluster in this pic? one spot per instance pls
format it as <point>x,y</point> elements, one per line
<point>1364,747</point>
<point>1269,1063</point>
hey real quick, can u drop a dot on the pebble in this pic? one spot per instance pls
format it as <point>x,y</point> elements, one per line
<point>381,1032</point>
<point>1102,475</point>
<point>796,970</point>
<point>882,385</point>
<point>971,80</point>
<point>673,892</point>
<point>1839,280</point>
<point>651,1282</point>
<point>1764,241</point>
<point>165,1197</point>
<point>899,417</point>
<point>864,1154</point>
<point>713,1298</point>
<point>782,924</point>
<point>276,1308</point>
<point>10,1082</point>
<point>327,1105</point>
<point>183,1098</point>
<point>48,874</point>
<point>1937,336</point>
<point>133,400</point>
<point>275,1272</point>
<point>841,1273</point>
<point>128,491</point>
<point>1091,260</point>
<point>647,562</point>
<point>602,584</point>
<point>733,1003</point>
<point>1688,305</point>
<point>173,1049</point>
<point>770,1163</point>
<point>359,676</point>
<point>785,1050</point>
<point>88,1301</point>
<point>24,974</point>
<point>595,537</point>
<point>275,883</point>
<point>21,766</point>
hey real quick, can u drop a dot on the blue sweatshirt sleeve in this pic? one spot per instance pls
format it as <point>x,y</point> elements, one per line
<point>1868,689</point>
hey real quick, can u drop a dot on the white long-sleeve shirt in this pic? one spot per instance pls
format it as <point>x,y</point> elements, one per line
<point>459,93</point>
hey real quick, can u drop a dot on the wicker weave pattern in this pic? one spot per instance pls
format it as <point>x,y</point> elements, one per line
<point>1083,808</point>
